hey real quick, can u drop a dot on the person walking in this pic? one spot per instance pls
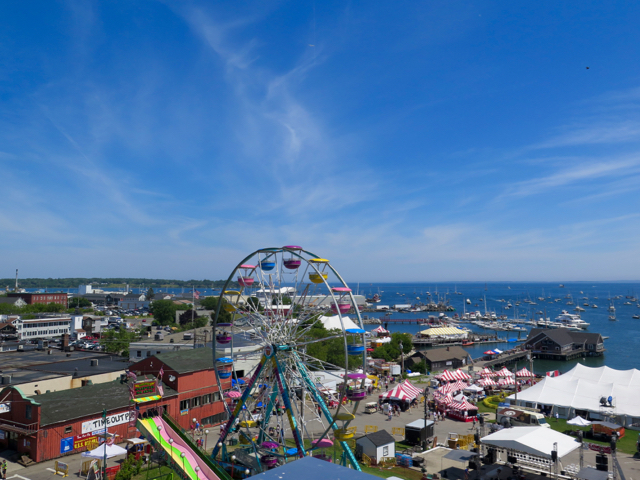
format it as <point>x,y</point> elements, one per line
<point>4,470</point>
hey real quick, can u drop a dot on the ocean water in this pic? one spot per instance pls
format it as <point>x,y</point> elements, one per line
<point>622,346</point>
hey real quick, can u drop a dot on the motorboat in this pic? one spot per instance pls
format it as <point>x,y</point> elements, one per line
<point>571,319</point>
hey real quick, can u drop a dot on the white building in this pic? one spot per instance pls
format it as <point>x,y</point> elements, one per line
<point>377,445</point>
<point>42,328</point>
<point>85,289</point>
<point>132,301</point>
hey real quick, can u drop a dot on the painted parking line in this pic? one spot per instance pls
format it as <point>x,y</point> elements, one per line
<point>18,476</point>
<point>51,470</point>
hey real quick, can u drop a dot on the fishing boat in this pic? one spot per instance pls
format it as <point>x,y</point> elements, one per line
<point>467,343</point>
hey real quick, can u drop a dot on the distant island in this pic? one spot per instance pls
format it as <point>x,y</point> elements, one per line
<point>107,283</point>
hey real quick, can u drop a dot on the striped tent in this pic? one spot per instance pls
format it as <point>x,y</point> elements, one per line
<point>402,392</point>
<point>380,330</point>
<point>447,376</point>
<point>524,373</point>
<point>442,398</point>
<point>487,372</point>
<point>463,406</point>
<point>445,389</point>
<point>506,381</point>
<point>504,372</point>
<point>460,375</point>
<point>458,386</point>
<point>487,382</point>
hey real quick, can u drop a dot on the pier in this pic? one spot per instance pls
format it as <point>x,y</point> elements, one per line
<point>475,339</point>
<point>505,359</point>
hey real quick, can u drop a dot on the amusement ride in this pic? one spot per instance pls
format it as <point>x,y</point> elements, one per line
<point>283,294</point>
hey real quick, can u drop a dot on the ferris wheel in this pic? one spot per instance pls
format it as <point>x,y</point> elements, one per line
<point>279,410</point>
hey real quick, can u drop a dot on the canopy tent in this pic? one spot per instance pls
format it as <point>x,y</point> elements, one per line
<point>112,451</point>
<point>444,389</point>
<point>463,405</point>
<point>504,372</point>
<point>444,332</point>
<point>462,375</point>
<point>380,330</point>
<point>487,382</point>
<point>579,421</point>
<point>403,391</point>
<point>473,388</point>
<point>487,372</point>
<point>524,373</point>
<point>605,375</point>
<point>536,441</point>
<point>442,398</point>
<point>506,381</point>
<point>333,323</point>
<point>573,391</point>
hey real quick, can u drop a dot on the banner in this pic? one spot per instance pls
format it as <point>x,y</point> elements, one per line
<point>5,407</point>
<point>144,389</point>
<point>598,448</point>
<point>133,416</point>
<point>87,440</point>
<point>98,423</point>
<point>66,445</point>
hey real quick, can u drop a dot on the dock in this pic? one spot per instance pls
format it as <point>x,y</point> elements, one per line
<point>477,340</point>
<point>507,359</point>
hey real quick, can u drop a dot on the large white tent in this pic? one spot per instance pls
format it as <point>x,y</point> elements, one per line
<point>536,441</point>
<point>333,323</point>
<point>582,388</point>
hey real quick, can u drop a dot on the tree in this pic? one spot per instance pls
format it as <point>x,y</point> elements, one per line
<point>117,341</point>
<point>150,294</point>
<point>198,320</point>
<point>79,302</point>
<point>211,303</point>
<point>164,311</point>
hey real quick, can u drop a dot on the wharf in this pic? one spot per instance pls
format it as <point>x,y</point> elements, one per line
<point>479,340</point>
<point>505,359</point>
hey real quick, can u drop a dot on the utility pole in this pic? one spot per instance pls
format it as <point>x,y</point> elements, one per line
<point>104,462</point>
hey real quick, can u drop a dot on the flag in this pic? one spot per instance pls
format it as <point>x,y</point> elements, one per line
<point>160,391</point>
<point>161,372</point>
<point>132,376</point>
<point>196,295</point>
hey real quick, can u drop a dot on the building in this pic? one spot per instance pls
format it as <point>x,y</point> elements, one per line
<point>31,298</point>
<point>443,358</point>
<point>7,329</point>
<point>15,301</point>
<point>134,301</point>
<point>192,374</point>
<point>376,445</point>
<point>54,424</point>
<point>563,344</point>
<point>42,328</point>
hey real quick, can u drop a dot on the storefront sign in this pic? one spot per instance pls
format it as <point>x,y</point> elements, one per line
<point>98,423</point>
<point>87,440</point>
<point>66,445</point>
<point>144,389</point>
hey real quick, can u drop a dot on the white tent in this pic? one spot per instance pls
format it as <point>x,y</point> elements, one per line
<point>536,441</point>
<point>576,390</point>
<point>579,421</point>
<point>112,451</point>
<point>473,388</point>
<point>333,323</point>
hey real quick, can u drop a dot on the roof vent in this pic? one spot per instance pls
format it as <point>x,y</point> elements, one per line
<point>94,362</point>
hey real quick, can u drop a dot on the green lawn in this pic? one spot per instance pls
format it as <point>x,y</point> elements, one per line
<point>626,444</point>
<point>154,472</point>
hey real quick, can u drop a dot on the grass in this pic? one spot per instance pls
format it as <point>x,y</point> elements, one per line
<point>626,444</point>
<point>155,472</point>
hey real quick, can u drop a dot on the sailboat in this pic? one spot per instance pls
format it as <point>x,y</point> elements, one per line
<point>612,312</point>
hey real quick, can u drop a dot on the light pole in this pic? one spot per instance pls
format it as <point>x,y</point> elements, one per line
<point>426,412</point>
<point>182,455</point>
<point>402,357</point>
<point>206,433</point>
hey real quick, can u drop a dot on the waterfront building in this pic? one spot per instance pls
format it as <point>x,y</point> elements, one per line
<point>443,358</point>
<point>563,344</point>
<point>31,298</point>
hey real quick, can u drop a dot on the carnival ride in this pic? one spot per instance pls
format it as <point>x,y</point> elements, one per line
<point>284,293</point>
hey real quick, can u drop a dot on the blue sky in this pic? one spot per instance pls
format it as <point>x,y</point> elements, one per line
<point>405,141</point>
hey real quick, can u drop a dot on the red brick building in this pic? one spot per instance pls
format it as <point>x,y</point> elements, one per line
<point>64,422</point>
<point>31,298</point>
<point>192,374</point>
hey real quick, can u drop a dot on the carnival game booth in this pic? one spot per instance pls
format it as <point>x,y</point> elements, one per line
<point>403,394</point>
<point>533,448</point>
<point>462,410</point>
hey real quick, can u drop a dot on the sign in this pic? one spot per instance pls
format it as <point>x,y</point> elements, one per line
<point>598,448</point>
<point>184,412</point>
<point>62,468</point>
<point>2,435</point>
<point>5,407</point>
<point>66,445</point>
<point>98,423</point>
<point>144,389</point>
<point>86,440</point>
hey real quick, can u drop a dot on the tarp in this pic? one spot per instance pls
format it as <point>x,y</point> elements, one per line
<point>112,451</point>
<point>333,323</point>
<point>578,392</point>
<point>532,440</point>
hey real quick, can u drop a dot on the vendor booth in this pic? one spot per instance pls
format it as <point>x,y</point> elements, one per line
<point>462,410</point>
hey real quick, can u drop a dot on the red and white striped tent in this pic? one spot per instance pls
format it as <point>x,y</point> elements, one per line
<point>504,372</point>
<point>462,375</point>
<point>380,330</point>
<point>447,376</point>
<point>463,406</point>
<point>442,398</point>
<point>487,382</point>
<point>445,389</point>
<point>506,381</point>
<point>487,372</point>
<point>524,373</point>
<point>459,386</point>
<point>403,391</point>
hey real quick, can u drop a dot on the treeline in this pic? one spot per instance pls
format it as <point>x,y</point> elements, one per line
<point>52,283</point>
